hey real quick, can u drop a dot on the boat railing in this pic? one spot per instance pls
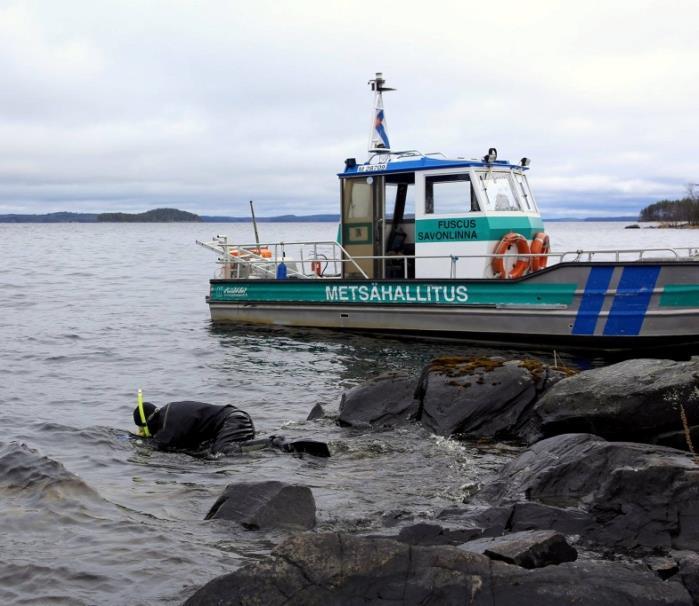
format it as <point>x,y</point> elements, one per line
<point>326,259</point>
<point>622,255</point>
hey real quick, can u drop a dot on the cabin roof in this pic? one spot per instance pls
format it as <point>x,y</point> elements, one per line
<point>416,163</point>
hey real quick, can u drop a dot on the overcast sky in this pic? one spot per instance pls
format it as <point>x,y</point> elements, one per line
<point>203,105</point>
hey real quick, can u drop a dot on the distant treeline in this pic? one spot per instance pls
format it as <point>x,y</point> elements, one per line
<point>685,210</point>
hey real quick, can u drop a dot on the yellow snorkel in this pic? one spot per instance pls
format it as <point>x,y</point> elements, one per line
<point>144,429</point>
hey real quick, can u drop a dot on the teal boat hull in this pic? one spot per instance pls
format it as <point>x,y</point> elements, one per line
<point>593,304</point>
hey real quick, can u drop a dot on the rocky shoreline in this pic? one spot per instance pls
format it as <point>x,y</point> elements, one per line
<point>602,507</point>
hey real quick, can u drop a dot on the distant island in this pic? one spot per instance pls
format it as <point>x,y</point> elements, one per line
<point>159,215</point>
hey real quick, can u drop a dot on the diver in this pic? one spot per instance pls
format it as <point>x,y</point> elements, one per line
<point>204,429</point>
<point>194,426</point>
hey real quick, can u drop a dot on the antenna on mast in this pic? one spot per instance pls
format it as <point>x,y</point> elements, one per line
<point>378,137</point>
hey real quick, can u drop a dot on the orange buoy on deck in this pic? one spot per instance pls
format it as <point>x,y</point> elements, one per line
<point>540,246</point>
<point>521,264</point>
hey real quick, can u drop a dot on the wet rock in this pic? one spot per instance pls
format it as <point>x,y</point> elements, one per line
<point>639,496</point>
<point>664,567</point>
<point>338,569</point>
<point>480,397</point>
<point>317,412</point>
<point>529,548</point>
<point>537,516</point>
<point>593,583</point>
<point>264,505</point>
<point>392,518</point>
<point>27,475</point>
<point>496,521</point>
<point>635,400</point>
<point>322,569</point>
<point>435,534</point>
<point>493,521</point>
<point>386,401</point>
<point>688,562</point>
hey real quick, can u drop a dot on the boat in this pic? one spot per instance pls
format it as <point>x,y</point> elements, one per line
<point>454,247</point>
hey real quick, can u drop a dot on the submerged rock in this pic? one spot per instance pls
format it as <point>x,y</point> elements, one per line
<point>529,548</point>
<point>28,475</point>
<point>639,496</point>
<point>635,400</point>
<point>386,401</point>
<point>322,569</point>
<point>480,397</point>
<point>264,505</point>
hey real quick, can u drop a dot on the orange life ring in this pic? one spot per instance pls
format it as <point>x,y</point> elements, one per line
<point>521,264</point>
<point>316,268</point>
<point>265,253</point>
<point>540,246</point>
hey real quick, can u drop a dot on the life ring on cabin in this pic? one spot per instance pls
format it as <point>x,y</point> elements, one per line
<point>541,246</point>
<point>316,267</point>
<point>522,263</point>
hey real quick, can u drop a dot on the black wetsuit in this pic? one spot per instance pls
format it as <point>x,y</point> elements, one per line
<point>195,426</point>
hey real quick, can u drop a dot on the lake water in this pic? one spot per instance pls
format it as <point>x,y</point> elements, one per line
<point>91,312</point>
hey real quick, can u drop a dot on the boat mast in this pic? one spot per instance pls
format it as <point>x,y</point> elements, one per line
<point>378,136</point>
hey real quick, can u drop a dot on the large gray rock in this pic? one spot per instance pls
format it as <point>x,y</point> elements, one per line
<point>480,397</point>
<point>528,548</point>
<point>386,401</point>
<point>635,400</point>
<point>265,505</point>
<point>640,496</point>
<point>324,569</point>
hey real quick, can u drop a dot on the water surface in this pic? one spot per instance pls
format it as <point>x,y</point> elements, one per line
<point>91,312</point>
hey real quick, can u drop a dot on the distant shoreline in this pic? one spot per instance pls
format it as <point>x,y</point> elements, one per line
<point>168,215</point>
<point>158,216</point>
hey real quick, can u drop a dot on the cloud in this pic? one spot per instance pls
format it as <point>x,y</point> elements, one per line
<point>204,105</point>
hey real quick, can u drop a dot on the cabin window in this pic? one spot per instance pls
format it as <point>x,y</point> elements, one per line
<point>524,192</point>
<point>450,194</point>
<point>358,199</point>
<point>499,194</point>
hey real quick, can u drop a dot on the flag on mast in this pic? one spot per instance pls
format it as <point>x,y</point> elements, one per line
<point>378,138</point>
<point>379,135</point>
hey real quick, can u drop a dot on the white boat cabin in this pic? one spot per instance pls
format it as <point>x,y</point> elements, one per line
<point>411,215</point>
<point>438,210</point>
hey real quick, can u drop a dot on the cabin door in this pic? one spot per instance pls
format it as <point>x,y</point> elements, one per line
<point>362,225</point>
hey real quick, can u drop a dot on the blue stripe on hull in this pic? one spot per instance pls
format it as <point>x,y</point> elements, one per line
<point>592,300</point>
<point>631,301</point>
